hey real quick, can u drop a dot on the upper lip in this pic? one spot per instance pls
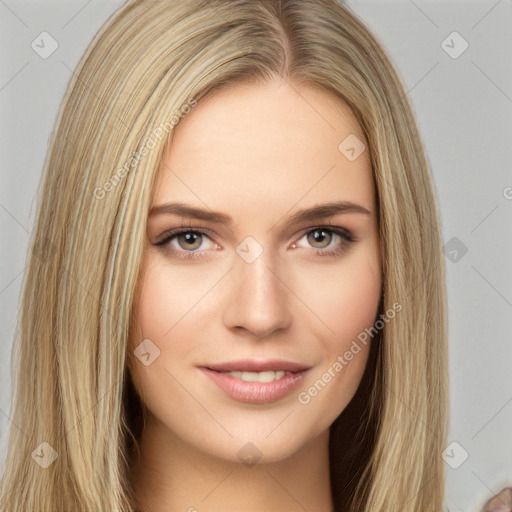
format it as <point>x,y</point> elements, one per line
<point>257,365</point>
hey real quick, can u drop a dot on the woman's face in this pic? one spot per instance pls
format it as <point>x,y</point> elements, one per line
<point>250,314</point>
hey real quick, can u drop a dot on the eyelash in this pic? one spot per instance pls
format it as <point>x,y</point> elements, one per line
<point>166,237</point>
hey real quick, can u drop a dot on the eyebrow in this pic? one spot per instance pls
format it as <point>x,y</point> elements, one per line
<point>312,214</point>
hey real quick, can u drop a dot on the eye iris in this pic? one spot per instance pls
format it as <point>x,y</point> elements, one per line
<point>190,237</point>
<point>318,236</point>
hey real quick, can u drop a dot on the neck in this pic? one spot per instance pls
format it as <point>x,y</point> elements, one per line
<point>172,475</point>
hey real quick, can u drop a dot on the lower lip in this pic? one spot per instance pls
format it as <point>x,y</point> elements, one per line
<point>255,392</point>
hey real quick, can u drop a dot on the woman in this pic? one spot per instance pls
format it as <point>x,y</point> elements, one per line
<point>187,340</point>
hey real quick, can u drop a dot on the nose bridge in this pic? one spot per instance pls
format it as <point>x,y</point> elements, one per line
<point>259,300</point>
<point>260,280</point>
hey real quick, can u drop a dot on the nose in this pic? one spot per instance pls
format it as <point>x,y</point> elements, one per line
<point>258,299</point>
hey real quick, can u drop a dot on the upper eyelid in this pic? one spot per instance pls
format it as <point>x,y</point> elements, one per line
<point>171,233</point>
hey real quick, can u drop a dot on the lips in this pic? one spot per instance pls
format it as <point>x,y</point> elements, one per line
<point>255,365</point>
<point>256,381</point>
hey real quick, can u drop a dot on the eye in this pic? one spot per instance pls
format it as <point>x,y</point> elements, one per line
<point>187,243</point>
<point>328,241</point>
<point>189,240</point>
<point>184,243</point>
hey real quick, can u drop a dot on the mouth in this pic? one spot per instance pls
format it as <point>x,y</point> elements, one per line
<point>256,381</point>
<point>268,376</point>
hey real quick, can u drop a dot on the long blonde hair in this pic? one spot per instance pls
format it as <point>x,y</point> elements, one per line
<point>149,63</point>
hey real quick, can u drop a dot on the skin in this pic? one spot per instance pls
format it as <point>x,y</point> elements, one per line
<point>257,153</point>
<point>502,502</point>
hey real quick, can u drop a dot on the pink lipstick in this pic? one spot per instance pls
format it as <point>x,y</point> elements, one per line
<point>256,381</point>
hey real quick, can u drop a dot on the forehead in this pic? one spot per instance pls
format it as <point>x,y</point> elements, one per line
<point>269,143</point>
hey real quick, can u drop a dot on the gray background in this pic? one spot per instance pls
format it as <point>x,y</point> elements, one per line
<point>463,106</point>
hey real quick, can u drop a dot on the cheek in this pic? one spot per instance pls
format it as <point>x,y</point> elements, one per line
<point>165,296</point>
<point>167,300</point>
<point>155,311</point>
<point>355,300</point>
<point>347,304</point>
<point>345,299</point>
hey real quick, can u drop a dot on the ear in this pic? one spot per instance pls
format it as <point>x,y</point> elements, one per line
<point>502,502</point>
